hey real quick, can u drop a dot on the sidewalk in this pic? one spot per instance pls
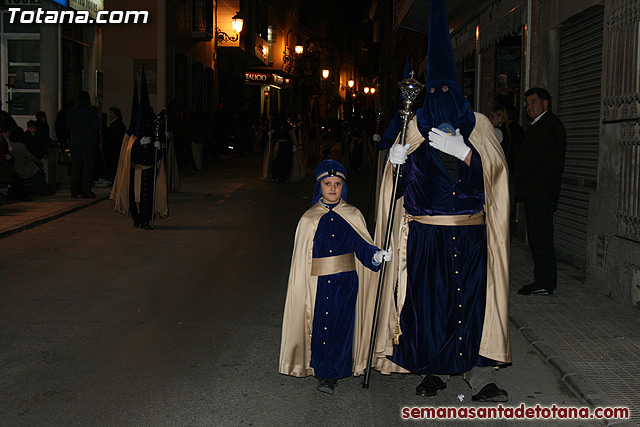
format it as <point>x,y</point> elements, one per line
<point>19,216</point>
<point>591,342</point>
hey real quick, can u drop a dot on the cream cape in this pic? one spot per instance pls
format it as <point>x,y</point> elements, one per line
<point>495,343</point>
<point>295,347</point>
<point>120,189</point>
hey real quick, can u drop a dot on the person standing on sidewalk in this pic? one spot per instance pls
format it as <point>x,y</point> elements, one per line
<point>538,180</point>
<point>448,313</point>
<point>82,124</point>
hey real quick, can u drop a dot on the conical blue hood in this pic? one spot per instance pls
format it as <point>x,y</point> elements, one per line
<point>444,67</point>
<point>444,102</point>
<point>145,113</point>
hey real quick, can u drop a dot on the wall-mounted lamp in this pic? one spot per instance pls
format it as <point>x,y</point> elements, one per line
<point>350,83</point>
<point>325,74</point>
<point>372,90</point>
<point>366,90</point>
<point>286,56</point>
<point>236,25</point>
<point>299,49</point>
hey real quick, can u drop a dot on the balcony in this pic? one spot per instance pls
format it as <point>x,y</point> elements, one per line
<point>202,23</point>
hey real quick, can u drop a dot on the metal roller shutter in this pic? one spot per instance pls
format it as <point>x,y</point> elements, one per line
<point>579,109</point>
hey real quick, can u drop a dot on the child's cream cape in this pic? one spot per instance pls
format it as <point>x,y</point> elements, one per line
<point>295,347</point>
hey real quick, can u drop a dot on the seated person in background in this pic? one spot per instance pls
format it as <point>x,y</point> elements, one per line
<point>9,177</point>
<point>26,165</point>
<point>36,143</point>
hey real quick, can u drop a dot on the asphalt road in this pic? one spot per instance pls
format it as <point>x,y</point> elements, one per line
<point>104,324</point>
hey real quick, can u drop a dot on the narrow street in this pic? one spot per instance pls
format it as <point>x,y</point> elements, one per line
<point>104,324</point>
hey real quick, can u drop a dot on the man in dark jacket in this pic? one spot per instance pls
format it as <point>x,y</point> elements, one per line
<point>82,124</point>
<point>538,179</point>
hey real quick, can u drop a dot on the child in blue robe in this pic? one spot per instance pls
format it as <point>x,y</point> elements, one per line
<point>332,243</point>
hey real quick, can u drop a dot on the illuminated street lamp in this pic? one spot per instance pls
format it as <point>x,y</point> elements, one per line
<point>372,90</point>
<point>366,90</point>
<point>299,49</point>
<point>325,74</point>
<point>236,23</point>
<point>350,83</point>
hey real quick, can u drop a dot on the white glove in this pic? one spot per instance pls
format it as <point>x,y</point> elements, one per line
<point>156,144</point>
<point>450,144</point>
<point>398,154</point>
<point>376,137</point>
<point>146,140</point>
<point>382,255</point>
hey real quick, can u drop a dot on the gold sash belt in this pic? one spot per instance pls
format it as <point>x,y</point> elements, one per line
<point>452,220</point>
<point>333,264</point>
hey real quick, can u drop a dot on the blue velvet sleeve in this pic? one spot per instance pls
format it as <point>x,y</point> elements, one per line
<point>364,251</point>
<point>334,236</point>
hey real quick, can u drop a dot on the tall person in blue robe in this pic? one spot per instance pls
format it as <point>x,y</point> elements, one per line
<point>449,312</point>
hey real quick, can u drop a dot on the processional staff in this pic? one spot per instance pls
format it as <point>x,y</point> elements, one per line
<point>410,88</point>
<point>157,123</point>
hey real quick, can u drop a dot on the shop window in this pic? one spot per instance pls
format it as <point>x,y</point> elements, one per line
<point>23,76</point>
<point>508,72</point>
<point>17,27</point>
<point>202,25</point>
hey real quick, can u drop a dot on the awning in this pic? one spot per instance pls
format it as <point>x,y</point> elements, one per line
<point>497,20</point>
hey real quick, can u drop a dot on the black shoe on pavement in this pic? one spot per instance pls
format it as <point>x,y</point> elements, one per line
<point>491,393</point>
<point>528,287</point>
<point>327,385</point>
<point>535,290</point>
<point>430,386</point>
<point>89,195</point>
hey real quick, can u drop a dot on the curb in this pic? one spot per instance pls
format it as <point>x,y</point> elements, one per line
<point>49,217</point>
<point>584,389</point>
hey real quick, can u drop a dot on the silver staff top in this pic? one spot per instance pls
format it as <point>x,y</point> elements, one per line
<point>410,88</point>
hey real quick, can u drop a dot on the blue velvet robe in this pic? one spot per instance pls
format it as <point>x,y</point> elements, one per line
<point>144,156</point>
<point>443,312</point>
<point>334,311</point>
